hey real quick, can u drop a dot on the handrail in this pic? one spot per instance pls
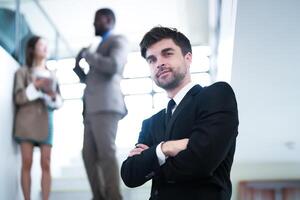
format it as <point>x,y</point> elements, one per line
<point>17,27</point>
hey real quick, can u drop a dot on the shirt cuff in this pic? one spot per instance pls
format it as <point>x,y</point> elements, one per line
<point>32,93</point>
<point>57,103</point>
<point>160,155</point>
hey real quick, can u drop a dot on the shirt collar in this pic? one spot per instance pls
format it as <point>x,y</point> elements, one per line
<point>180,95</point>
<point>105,36</point>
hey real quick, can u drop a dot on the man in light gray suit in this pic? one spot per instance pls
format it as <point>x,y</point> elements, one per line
<point>103,106</point>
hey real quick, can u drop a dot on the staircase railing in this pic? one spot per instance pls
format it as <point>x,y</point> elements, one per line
<point>21,19</point>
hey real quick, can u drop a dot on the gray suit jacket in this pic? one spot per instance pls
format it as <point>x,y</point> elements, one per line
<point>103,92</point>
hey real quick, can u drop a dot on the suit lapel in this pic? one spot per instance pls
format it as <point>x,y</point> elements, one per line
<point>187,100</point>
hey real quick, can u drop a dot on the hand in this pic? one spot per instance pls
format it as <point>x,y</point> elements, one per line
<point>45,85</point>
<point>39,83</point>
<point>52,94</point>
<point>79,56</point>
<point>173,147</point>
<point>139,148</point>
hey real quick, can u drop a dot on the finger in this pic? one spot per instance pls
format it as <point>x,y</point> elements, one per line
<point>136,151</point>
<point>143,146</point>
<point>133,153</point>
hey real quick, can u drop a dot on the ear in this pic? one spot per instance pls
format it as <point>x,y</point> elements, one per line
<point>188,58</point>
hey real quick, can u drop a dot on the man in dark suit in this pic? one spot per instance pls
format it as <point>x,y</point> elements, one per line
<point>187,149</point>
<point>103,106</point>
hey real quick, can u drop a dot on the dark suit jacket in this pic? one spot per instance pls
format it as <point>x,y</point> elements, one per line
<point>209,118</point>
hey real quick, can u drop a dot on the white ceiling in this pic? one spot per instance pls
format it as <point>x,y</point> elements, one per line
<point>74,19</point>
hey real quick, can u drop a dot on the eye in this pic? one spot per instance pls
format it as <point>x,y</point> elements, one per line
<point>168,53</point>
<point>151,60</point>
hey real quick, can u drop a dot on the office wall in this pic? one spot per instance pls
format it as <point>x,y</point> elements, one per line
<point>265,76</point>
<point>10,157</point>
<point>259,50</point>
<point>9,153</point>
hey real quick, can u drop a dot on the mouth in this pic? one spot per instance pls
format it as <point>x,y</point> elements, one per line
<point>162,73</point>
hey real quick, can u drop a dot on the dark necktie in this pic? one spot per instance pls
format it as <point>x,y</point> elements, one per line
<point>170,107</point>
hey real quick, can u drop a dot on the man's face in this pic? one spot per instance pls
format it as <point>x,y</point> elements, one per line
<point>167,64</point>
<point>101,24</point>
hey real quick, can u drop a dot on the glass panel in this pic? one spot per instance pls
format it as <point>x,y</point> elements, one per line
<point>136,66</point>
<point>140,104</point>
<point>156,88</point>
<point>72,91</point>
<point>64,70</point>
<point>136,86</point>
<point>139,100</point>
<point>139,108</point>
<point>32,15</point>
<point>137,103</point>
<point>68,129</point>
<point>13,39</point>
<point>203,79</point>
<point>200,61</point>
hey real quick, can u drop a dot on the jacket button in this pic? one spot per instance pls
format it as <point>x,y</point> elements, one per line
<point>156,192</point>
<point>171,182</point>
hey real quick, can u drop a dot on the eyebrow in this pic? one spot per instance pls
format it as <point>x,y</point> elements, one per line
<point>167,49</point>
<point>162,51</point>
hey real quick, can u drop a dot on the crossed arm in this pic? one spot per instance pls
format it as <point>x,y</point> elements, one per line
<point>169,148</point>
<point>143,162</point>
<point>212,137</point>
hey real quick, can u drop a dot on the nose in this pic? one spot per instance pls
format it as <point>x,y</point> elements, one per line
<point>160,63</point>
<point>159,66</point>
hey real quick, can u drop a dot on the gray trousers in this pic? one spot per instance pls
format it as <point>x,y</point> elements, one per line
<point>99,155</point>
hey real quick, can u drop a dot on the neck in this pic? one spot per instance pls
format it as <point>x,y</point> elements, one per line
<point>172,92</point>
<point>105,34</point>
<point>39,63</point>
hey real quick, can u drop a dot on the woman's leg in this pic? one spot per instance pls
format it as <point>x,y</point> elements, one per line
<point>26,151</point>
<point>46,174</point>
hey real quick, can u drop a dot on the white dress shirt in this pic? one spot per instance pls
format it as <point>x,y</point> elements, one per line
<point>178,98</point>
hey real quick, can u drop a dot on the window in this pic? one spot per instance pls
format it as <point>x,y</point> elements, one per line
<point>142,97</point>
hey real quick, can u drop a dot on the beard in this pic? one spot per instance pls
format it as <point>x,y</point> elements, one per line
<point>172,82</point>
<point>100,31</point>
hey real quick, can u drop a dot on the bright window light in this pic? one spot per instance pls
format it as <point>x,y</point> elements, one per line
<point>142,97</point>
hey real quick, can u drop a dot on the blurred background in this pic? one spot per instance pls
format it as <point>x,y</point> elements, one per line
<point>253,45</point>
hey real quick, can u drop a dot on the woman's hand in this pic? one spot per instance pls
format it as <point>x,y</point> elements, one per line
<point>39,83</point>
<point>52,94</point>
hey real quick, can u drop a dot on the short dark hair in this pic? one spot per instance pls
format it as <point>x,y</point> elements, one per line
<point>158,33</point>
<point>107,12</point>
<point>29,52</point>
